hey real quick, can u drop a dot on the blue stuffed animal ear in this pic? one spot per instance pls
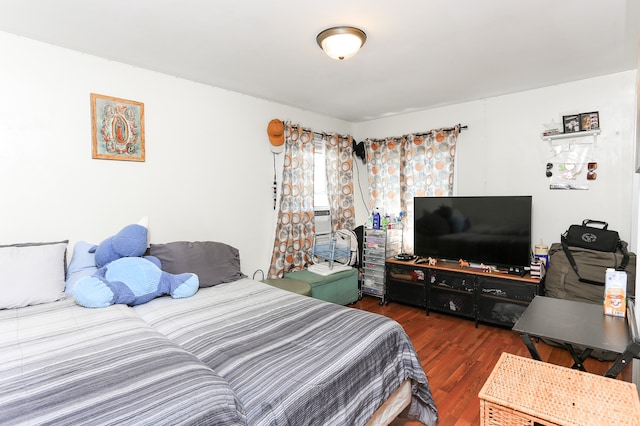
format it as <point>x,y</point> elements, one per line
<point>131,241</point>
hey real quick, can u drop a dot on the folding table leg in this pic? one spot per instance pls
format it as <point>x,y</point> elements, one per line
<point>578,360</point>
<point>633,350</point>
<point>531,346</point>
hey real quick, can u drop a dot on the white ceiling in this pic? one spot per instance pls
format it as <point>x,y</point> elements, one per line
<point>419,54</point>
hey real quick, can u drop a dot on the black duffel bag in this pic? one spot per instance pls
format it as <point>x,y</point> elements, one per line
<point>592,238</point>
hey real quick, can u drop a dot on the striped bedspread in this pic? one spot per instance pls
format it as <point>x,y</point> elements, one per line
<point>67,365</point>
<point>294,360</point>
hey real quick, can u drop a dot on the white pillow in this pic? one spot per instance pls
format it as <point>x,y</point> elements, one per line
<point>32,273</point>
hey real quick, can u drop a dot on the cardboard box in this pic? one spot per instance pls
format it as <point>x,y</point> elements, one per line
<point>615,293</point>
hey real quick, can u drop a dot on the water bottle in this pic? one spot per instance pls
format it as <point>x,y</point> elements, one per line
<point>385,222</point>
<point>376,219</point>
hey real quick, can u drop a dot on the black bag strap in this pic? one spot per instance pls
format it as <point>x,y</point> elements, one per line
<point>625,256</point>
<point>572,261</point>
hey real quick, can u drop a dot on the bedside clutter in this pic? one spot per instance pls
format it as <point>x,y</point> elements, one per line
<point>338,287</point>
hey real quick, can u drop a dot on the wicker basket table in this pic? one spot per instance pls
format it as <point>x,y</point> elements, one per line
<point>523,391</point>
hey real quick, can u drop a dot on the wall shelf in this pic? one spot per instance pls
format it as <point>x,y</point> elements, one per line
<point>573,135</point>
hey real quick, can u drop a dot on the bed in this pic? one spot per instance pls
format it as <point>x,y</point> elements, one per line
<point>64,364</point>
<point>238,352</point>
<point>292,359</point>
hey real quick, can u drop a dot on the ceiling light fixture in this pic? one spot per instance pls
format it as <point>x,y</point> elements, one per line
<point>341,42</point>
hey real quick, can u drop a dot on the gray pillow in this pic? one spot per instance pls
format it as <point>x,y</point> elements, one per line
<point>214,263</point>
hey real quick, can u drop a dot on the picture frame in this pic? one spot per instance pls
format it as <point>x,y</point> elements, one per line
<point>571,123</point>
<point>117,128</point>
<point>589,121</point>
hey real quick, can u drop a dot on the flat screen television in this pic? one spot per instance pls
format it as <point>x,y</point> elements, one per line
<point>494,230</point>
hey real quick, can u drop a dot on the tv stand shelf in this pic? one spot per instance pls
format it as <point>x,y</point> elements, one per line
<point>491,297</point>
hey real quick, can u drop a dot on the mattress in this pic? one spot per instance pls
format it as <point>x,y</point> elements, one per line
<point>64,364</point>
<point>292,359</point>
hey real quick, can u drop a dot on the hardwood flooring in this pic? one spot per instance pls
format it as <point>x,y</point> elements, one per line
<point>458,358</point>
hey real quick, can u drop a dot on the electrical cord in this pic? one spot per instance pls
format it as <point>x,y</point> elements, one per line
<point>360,188</point>
<point>275,183</point>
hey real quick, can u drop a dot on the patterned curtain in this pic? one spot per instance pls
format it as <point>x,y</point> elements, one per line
<point>339,163</point>
<point>294,231</point>
<point>410,166</point>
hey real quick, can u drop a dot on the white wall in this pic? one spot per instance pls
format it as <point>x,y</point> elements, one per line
<point>502,152</point>
<point>208,172</point>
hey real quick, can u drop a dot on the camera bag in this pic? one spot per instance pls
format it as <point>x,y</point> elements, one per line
<point>590,237</point>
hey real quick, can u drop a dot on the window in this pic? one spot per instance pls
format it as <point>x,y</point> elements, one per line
<point>320,197</point>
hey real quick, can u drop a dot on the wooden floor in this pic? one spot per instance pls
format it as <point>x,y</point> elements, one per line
<point>458,358</point>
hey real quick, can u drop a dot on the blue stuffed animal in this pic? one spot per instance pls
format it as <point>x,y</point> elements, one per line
<point>125,277</point>
<point>132,281</point>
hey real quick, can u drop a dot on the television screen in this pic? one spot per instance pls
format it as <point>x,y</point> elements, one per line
<point>494,230</point>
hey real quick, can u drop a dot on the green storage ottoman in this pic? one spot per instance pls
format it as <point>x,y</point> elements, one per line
<point>340,287</point>
<point>294,286</point>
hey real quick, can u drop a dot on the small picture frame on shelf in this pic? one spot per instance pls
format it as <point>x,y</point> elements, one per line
<point>571,123</point>
<point>589,121</point>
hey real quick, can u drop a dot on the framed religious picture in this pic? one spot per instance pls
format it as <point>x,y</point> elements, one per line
<point>571,123</point>
<point>589,121</point>
<point>117,127</point>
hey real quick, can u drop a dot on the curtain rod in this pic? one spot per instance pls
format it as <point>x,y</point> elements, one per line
<point>444,129</point>
<point>323,134</point>
<point>447,129</point>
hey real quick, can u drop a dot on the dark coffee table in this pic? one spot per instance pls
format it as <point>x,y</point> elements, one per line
<point>578,324</point>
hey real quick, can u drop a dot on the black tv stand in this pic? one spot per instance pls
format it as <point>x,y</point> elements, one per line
<point>495,297</point>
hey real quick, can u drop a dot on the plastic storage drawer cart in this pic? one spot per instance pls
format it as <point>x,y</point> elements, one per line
<point>378,246</point>
<point>523,391</point>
